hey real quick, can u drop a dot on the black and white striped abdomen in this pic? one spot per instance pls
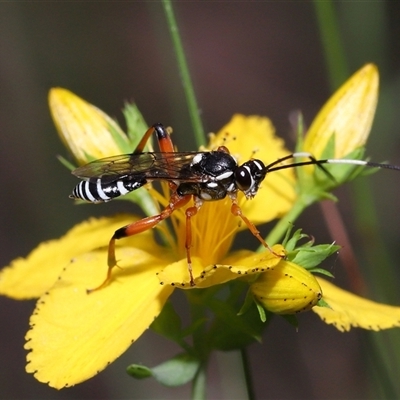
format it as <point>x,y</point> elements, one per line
<point>97,191</point>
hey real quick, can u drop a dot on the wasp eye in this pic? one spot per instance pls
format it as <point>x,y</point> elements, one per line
<point>243,178</point>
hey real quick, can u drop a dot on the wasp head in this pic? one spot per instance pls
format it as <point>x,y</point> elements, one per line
<point>248,177</point>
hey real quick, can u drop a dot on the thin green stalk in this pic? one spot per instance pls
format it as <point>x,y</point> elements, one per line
<point>283,224</point>
<point>247,374</point>
<point>199,384</point>
<point>185,75</point>
<point>332,44</point>
<point>198,313</point>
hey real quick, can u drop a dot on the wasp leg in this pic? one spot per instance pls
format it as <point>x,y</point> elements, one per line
<point>144,224</point>
<point>164,140</point>
<point>190,212</point>
<point>237,211</point>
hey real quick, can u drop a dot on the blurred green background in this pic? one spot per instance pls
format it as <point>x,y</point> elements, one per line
<point>263,58</point>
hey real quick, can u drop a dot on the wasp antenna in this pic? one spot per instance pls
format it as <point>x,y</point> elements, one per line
<point>275,166</point>
<point>364,163</point>
<point>313,161</point>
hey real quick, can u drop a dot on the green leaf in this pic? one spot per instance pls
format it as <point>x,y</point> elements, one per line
<point>310,257</point>
<point>232,331</point>
<point>168,323</point>
<point>139,371</point>
<point>177,371</point>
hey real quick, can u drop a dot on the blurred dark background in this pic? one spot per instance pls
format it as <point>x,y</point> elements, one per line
<point>261,58</point>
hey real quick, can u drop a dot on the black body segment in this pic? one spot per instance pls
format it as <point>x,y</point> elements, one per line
<point>97,191</point>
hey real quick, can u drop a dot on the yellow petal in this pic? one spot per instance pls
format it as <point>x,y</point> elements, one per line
<point>213,229</point>
<point>177,275</point>
<point>348,310</point>
<point>85,130</point>
<point>287,289</point>
<point>74,335</point>
<point>254,137</point>
<point>348,114</point>
<point>31,276</point>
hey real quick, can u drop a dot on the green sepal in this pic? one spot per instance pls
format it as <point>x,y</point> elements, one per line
<point>177,371</point>
<point>290,243</point>
<point>89,157</point>
<point>248,302</point>
<point>120,137</point>
<point>317,186</point>
<point>285,241</point>
<point>323,303</point>
<point>66,163</point>
<point>346,172</point>
<point>136,126</point>
<point>310,257</point>
<point>321,271</point>
<point>262,312</point>
<point>313,185</point>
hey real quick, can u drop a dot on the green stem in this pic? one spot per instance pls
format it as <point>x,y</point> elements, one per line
<point>185,75</point>
<point>281,227</point>
<point>331,42</point>
<point>198,313</point>
<point>199,384</point>
<point>247,374</point>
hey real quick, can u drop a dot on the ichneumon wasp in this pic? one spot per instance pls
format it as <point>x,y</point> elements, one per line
<point>201,176</point>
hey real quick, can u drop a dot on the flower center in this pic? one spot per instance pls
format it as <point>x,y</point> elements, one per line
<point>213,229</point>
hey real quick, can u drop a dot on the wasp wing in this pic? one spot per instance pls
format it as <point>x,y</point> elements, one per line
<point>151,166</point>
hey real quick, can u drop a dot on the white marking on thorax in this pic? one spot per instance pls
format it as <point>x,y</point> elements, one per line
<point>205,196</point>
<point>223,176</point>
<point>197,158</point>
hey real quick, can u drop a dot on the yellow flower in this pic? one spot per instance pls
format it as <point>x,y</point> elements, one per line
<point>347,115</point>
<point>69,326</point>
<point>287,289</point>
<point>85,130</point>
<point>348,310</point>
<point>340,130</point>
